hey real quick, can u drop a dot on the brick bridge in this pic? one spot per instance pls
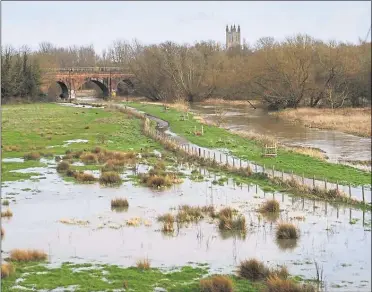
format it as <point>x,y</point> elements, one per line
<point>107,79</point>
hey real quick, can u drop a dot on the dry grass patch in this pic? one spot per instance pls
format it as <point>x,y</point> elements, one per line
<point>7,213</point>
<point>253,270</point>
<point>287,231</point>
<point>168,217</point>
<point>23,255</point>
<point>89,158</point>
<point>349,120</point>
<point>230,220</point>
<point>277,284</point>
<point>270,206</point>
<point>218,283</point>
<point>143,264</point>
<point>308,151</point>
<point>168,227</point>
<point>32,156</point>
<point>7,269</point>
<point>110,178</point>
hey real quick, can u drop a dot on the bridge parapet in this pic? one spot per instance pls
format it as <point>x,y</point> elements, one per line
<point>86,70</point>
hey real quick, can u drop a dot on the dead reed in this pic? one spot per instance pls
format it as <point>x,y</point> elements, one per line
<point>23,255</point>
<point>276,284</point>
<point>349,120</point>
<point>84,177</point>
<point>217,283</point>
<point>143,264</point>
<point>7,269</point>
<point>7,213</point>
<point>119,203</point>
<point>168,227</point>
<point>89,158</point>
<point>287,231</point>
<point>255,270</point>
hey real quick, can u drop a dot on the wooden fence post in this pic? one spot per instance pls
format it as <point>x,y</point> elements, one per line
<point>273,170</point>
<point>199,152</point>
<point>240,164</point>
<point>363,194</point>
<point>263,168</point>
<point>337,185</point>
<point>325,184</point>
<point>214,156</point>
<point>313,181</point>
<point>349,190</point>
<point>303,178</point>
<point>233,162</point>
<point>282,175</point>
<point>220,157</point>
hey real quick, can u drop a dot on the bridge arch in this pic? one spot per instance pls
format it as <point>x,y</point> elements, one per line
<point>125,87</point>
<point>100,84</point>
<point>64,89</point>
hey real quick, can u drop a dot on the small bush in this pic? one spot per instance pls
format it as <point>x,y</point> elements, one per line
<point>7,269</point>
<point>21,255</point>
<point>216,283</point>
<point>84,177</point>
<point>110,178</point>
<point>270,206</point>
<point>143,264</point>
<point>277,284</point>
<point>253,270</point>
<point>89,158</point>
<point>63,166</point>
<point>119,203</point>
<point>286,231</point>
<point>155,181</point>
<point>32,156</point>
<point>7,213</point>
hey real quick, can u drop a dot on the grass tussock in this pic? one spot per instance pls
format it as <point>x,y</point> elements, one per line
<point>277,284</point>
<point>110,178</point>
<point>143,264</point>
<point>217,283</point>
<point>21,255</point>
<point>255,270</point>
<point>270,206</point>
<point>12,148</point>
<point>63,167</point>
<point>188,214</point>
<point>32,156</point>
<point>7,213</point>
<point>158,177</point>
<point>287,231</point>
<point>349,120</point>
<point>83,177</point>
<point>168,227</point>
<point>7,269</point>
<point>168,217</point>
<point>230,220</point>
<point>119,203</point>
<point>89,158</point>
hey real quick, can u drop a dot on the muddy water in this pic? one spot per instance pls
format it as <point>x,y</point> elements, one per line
<point>337,145</point>
<point>342,249</point>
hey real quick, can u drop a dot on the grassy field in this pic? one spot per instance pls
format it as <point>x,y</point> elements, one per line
<point>215,137</point>
<point>185,279</point>
<point>34,127</point>
<point>355,121</point>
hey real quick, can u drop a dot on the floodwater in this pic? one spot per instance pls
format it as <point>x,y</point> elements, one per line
<point>337,146</point>
<point>337,238</point>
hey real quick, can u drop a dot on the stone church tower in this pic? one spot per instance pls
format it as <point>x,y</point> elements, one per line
<point>233,37</point>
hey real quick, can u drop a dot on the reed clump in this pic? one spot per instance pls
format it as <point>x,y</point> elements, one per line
<point>27,255</point>
<point>63,167</point>
<point>255,270</point>
<point>119,203</point>
<point>287,231</point>
<point>230,220</point>
<point>84,177</point>
<point>110,178</point>
<point>277,284</point>
<point>270,206</point>
<point>217,283</point>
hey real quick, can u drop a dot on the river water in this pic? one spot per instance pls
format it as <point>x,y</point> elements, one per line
<point>337,146</point>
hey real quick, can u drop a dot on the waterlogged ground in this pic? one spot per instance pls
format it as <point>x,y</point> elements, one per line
<point>337,238</point>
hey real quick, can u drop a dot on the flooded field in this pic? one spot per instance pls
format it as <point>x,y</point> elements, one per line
<point>337,146</point>
<point>74,222</point>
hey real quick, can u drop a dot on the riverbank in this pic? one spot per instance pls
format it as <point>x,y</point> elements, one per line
<point>356,121</point>
<point>215,137</point>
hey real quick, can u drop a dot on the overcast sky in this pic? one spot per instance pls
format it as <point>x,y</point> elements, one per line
<point>67,23</point>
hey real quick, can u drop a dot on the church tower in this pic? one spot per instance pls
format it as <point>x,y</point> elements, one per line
<point>233,37</point>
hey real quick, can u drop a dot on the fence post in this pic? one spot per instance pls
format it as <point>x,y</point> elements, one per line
<point>313,181</point>
<point>263,168</point>
<point>240,164</point>
<point>204,153</point>
<point>233,162</point>
<point>273,171</point>
<point>303,178</point>
<point>209,154</point>
<point>337,185</point>
<point>255,167</point>
<point>227,160</point>
<point>220,157</point>
<point>349,190</point>
<point>325,184</point>
<point>292,174</point>
<point>363,194</point>
<point>199,152</point>
<point>214,156</point>
<point>282,175</point>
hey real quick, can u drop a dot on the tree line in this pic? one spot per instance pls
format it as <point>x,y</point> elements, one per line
<point>298,71</point>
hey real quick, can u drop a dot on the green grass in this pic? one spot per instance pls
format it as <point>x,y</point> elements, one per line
<point>215,137</point>
<point>8,167</point>
<point>185,279</point>
<point>33,127</point>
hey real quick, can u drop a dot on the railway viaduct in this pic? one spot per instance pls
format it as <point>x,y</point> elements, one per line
<point>107,79</point>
